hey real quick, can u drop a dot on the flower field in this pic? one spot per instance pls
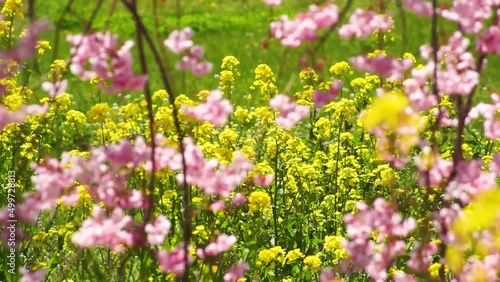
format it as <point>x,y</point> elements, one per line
<point>250,140</point>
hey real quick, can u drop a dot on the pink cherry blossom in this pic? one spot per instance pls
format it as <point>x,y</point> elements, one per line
<point>8,117</point>
<point>55,88</point>
<point>157,231</point>
<point>238,200</point>
<point>495,164</point>
<point>26,45</point>
<point>212,178</point>
<point>433,169</point>
<point>179,40</point>
<point>489,41</point>
<point>421,257</point>
<point>32,275</point>
<point>292,32</point>
<point>173,261</point>
<point>218,206</point>
<point>469,182</point>
<point>24,49</point>
<point>470,14</point>
<point>403,277</point>
<point>419,7</point>
<point>363,23</point>
<point>489,265</point>
<point>490,113</point>
<point>383,65</point>
<point>105,231</point>
<point>263,180</point>
<point>272,2</point>
<point>100,52</point>
<point>236,272</point>
<point>222,244</point>
<point>418,90</point>
<point>328,275</point>
<point>290,113</point>
<point>364,253</point>
<point>215,110</point>
<point>322,98</point>
<point>457,75</point>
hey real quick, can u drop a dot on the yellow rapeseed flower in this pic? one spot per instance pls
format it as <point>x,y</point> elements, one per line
<point>258,200</point>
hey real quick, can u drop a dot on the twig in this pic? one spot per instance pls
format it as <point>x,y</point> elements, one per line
<point>180,134</point>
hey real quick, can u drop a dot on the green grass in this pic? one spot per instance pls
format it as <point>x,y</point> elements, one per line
<point>224,28</point>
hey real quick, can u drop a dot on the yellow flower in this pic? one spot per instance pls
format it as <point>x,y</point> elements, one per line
<point>14,101</point>
<point>332,243</point>
<point>376,53</point>
<point>258,200</point>
<point>160,95</point>
<point>293,255</point>
<point>264,79</point>
<point>266,256</point>
<point>226,78</point>
<point>99,112</point>
<point>409,56</point>
<point>13,8</point>
<point>313,263</point>
<point>75,117</point>
<point>385,109</point>
<point>341,68</point>
<point>308,75</point>
<point>229,62</point>
<point>434,269</point>
<point>41,46</point>
<point>241,114</point>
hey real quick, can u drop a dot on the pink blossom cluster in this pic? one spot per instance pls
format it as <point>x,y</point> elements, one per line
<point>32,275</point>
<point>103,175</point>
<point>272,2</point>
<point>433,169</point>
<point>112,231</point>
<point>470,181</point>
<point>215,110</point>
<point>263,180</point>
<point>290,113</point>
<point>375,257</point>
<point>24,49</point>
<point>363,23</point>
<point>491,115</point>
<point>292,32</point>
<point>444,219</point>
<point>322,98</point>
<point>180,42</point>
<point>419,7</point>
<point>55,88</point>
<point>457,75</point>
<point>470,14</point>
<point>421,256</point>
<point>7,117</point>
<point>383,65</point>
<point>97,55</point>
<point>489,41</point>
<point>222,244</point>
<point>486,269</point>
<point>417,88</point>
<point>208,175</point>
<point>236,272</point>
<point>157,230</point>
<point>173,261</point>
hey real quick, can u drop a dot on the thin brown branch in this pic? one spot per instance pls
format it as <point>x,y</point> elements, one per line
<point>180,134</point>
<point>149,191</point>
